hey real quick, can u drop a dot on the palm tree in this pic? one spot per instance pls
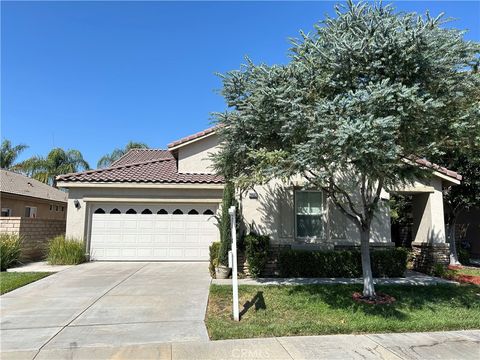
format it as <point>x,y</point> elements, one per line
<point>9,154</point>
<point>108,159</point>
<point>57,162</point>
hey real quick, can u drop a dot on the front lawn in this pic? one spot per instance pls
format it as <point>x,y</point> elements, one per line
<point>11,280</point>
<point>329,309</point>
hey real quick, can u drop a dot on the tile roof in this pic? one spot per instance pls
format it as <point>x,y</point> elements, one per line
<point>193,137</point>
<point>151,171</point>
<point>142,155</point>
<point>14,183</point>
<point>440,169</point>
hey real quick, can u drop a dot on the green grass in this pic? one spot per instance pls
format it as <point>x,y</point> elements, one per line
<point>12,280</point>
<point>329,309</point>
<point>467,271</point>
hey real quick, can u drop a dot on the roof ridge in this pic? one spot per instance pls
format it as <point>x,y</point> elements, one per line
<point>59,177</point>
<point>135,149</point>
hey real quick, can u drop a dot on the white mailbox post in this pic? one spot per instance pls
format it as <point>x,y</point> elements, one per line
<point>236,315</point>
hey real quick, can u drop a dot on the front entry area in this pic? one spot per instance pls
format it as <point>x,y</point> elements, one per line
<point>152,232</point>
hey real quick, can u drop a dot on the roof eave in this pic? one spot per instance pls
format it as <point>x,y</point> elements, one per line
<point>173,147</point>
<point>138,185</point>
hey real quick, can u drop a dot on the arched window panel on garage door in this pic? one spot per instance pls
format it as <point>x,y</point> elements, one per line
<point>99,211</point>
<point>178,212</point>
<point>193,212</point>
<point>208,212</point>
<point>162,212</point>
<point>130,211</point>
<point>146,212</point>
<point>115,211</point>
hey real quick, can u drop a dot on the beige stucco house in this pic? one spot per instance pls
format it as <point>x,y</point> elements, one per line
<point>21,196</point>
<point>159,205</point>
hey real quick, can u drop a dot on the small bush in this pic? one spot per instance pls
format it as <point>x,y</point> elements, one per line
<point>213,249</point>
<point>439,270</point>
<point>256,252</point>
<point>463,256</point>
<point>9,250</point>
<point>64,251</point>
<point>348,264</point>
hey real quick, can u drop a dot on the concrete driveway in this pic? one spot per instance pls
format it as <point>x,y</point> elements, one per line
<point>107,304</point>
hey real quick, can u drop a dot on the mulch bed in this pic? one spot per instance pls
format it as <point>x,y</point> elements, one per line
<point>469,279</point>
<point>380,299</point>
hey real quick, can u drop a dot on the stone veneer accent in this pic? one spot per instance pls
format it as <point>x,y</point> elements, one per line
<point>35,234</point>
<point>427,255</point>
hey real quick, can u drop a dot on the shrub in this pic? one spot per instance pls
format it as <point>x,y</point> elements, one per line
<point>256,252</point>
<point>463,256</point>
<point>224,223</point>
<point>65,251</point>
<point>389,262</point>
<point>213,250</point>
<point>304,263</point>
<point>439,270</point>
<point>9,250</point>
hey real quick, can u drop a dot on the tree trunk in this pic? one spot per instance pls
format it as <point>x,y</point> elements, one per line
<point>368,286</point>
<point>453,243</point>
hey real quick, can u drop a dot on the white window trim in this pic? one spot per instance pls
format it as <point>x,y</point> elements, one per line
<point>33,210</point>
<point>8,211</point>
<point>324,213</point>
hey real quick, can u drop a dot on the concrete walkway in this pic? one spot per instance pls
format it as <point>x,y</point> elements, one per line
<point>411,278</point>
<point>463,345</point>
<point>39,266</point>
<point>107,304</point>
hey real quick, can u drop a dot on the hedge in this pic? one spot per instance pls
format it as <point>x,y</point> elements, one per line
<point>348,264</point>
<point>256,252</point>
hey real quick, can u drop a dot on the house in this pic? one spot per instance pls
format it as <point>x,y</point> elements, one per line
<point>21,196</point>
<point>33,210</point>
<point>159,205</point>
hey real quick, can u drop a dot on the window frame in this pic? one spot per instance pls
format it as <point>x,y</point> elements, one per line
<point>8,211</point>
<point>32,211</point>
<point>323,215</point>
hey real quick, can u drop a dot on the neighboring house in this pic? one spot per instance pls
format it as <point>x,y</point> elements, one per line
<point>158,205</point>
<point>21,196</point>
<point>33,210</point>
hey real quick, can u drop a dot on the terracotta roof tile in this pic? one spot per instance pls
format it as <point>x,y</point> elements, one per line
<point>194,136</point>
<point>440,169</point>
<point>141,155</point>
<point>153,171</point>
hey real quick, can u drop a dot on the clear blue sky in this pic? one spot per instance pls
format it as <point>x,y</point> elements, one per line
<point>94,75</point>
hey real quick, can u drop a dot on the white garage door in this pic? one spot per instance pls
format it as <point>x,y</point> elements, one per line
<point>152,232</point>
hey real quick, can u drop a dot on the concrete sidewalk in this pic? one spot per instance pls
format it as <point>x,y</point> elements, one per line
<point>463,345</point>
<point>411,278</point>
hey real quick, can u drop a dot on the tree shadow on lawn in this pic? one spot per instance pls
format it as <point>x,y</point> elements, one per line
<point>408,298</point>
<point>258,301</point>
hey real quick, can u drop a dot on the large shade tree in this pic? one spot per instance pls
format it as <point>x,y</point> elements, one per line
<point>365,93</point>
<point>108,159</point>
<point>57,162</point>
<point>9,154</point>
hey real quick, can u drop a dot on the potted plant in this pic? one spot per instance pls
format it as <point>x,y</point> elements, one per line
<point>221,271</point>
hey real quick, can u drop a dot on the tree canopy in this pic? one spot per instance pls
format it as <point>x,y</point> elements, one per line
<point>57,162</point>
<point>116,154</point>
<point>9,153</point>
<point>367,90</point>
